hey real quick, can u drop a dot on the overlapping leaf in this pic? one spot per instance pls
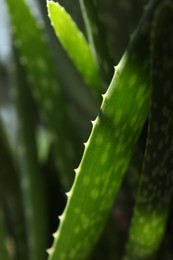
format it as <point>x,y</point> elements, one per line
<point>45,85</point>
<point>97,37</point>
<point>153,199</point>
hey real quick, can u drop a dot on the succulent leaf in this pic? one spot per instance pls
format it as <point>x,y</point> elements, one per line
<point>45,84</point>
<point>75,45</point>
<point>154,194</point>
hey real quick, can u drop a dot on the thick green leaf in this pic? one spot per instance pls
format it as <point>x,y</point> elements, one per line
<point>153,199</point>
<point>107,152</point>
<point>75,45</point>
<point>34,54</point>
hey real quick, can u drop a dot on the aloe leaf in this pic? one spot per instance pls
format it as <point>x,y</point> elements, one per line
<point>154,194</point>
<point>75,45</point>
<point>83,103</point>
<point>3,238</point>
<point>107,152</point>
<point>97,38</point>
<point>31,177</point>
<point>45,84</point>
<point>44,143</point>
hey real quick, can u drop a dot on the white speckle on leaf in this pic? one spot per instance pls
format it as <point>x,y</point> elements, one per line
<point>41,63</point>
<point>94,194</point>
<point>23,61</point>
<point>48,104</point>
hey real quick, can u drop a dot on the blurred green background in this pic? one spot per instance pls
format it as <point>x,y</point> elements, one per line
<point>120,19</point>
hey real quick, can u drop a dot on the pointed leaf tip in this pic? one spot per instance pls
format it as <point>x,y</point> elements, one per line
<point>75,44</point>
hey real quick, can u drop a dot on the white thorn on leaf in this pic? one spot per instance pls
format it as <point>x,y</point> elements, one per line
<point>86,143</point>
<point>77,172</point>
<point>54,235</point>
<point>93,122</point>
<point>68,194</point>
<point>49,251</point>
<point>60,217</point>
<point>103,96</point>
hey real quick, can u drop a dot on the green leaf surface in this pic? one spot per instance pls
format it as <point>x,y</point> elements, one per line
<point>107,152</point>
<point>75,45</point>
<point>83,103</point>
<point>45,84</point>
<point>154,194</point>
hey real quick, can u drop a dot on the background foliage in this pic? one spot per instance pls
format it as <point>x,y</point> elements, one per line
<point>47,103</point>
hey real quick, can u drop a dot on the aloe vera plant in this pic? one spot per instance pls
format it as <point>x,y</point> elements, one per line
<point>141,89</point>
<point>90,178</point>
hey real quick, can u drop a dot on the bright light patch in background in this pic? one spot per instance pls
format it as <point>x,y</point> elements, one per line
<point>5,40</point>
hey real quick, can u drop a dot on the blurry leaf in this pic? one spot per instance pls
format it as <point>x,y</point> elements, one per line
<point>82,104</point>
<point>32,181</point>
<point>75,45</point>
<point>110,244</point>
<point>154,194</point>
<point>120,18</point>
<point>10,194</point>
<point>97,38</point>
<point>3,238</point>
<point>45,85</point>
<point>107,152</point>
